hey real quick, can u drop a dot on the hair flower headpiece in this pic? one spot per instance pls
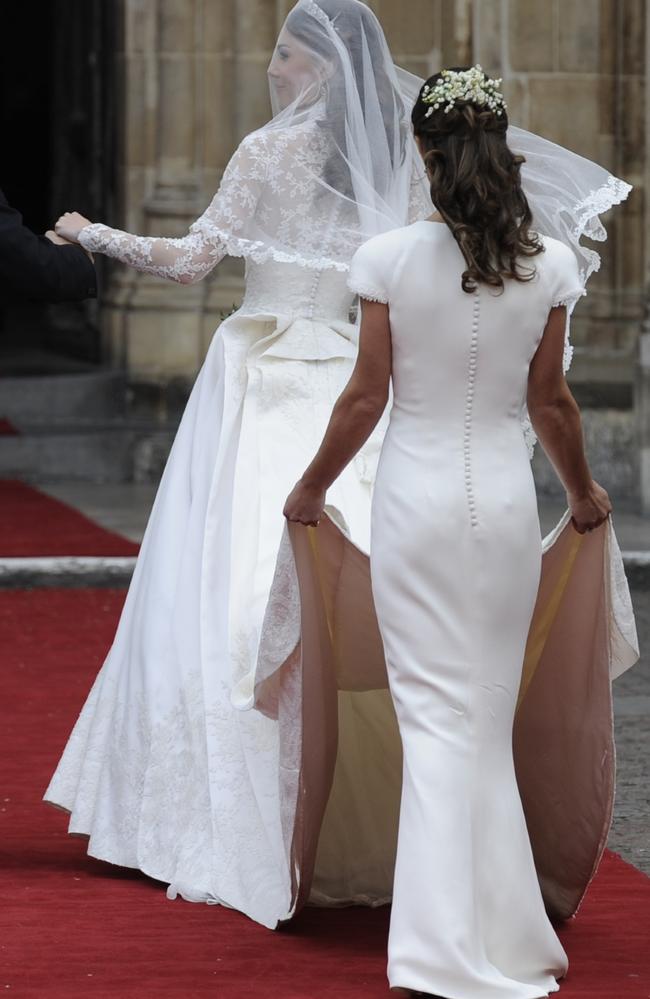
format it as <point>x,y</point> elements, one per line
<point>470,85</point>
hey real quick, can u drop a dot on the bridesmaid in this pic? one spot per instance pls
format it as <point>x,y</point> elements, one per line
<point>466,311</point>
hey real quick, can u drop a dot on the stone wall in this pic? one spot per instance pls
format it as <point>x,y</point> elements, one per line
<point>574,71</point>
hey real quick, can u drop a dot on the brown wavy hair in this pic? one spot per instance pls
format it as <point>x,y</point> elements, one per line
<point>476,187</point>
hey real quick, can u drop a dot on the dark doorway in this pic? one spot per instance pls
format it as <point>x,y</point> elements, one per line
<point>58,127</point>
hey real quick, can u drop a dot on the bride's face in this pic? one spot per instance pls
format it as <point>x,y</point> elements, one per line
<point>293,72</point>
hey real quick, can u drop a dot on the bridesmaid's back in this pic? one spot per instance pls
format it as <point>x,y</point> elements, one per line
<point>452,348</point>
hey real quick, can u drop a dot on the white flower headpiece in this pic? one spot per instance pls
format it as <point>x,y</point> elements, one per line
<point>467,85</point>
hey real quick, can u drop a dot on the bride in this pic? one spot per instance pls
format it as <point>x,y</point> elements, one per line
<point>160,771</point>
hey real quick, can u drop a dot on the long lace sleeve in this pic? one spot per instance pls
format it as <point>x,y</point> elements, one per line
<point>190,258</point>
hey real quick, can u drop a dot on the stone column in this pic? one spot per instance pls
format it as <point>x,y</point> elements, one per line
<point>643,410</point>
<point>642,387</point>
<point>255,34</point>
<point>165,321</point>
<point>176,70</point>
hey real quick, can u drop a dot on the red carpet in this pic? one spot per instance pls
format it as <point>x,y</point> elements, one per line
<point>74,928</point>
<point>32,523</point>
<point>7,429</point>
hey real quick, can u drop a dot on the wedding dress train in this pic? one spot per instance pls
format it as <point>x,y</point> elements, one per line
<point>160,772</point>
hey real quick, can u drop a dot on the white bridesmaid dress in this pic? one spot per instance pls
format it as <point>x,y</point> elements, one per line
<point>456,556</point>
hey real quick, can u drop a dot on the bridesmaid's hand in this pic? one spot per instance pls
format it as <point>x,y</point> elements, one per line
<point>591,510</point>
<point>305,505</point>
<point>70,225</point>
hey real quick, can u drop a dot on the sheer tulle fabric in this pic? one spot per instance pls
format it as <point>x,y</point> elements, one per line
<point>337,164</point>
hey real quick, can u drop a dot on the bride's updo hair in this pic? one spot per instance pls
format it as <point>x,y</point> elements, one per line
<point>476,186</point>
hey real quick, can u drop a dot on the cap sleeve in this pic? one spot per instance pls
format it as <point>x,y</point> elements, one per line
<point>567,286</point>
<point>366,277</point>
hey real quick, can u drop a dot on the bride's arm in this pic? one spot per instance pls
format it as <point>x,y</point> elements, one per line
<point>354,417</point>
<point>185,260</point>
<point>556,420</point>
<point>189,258</point>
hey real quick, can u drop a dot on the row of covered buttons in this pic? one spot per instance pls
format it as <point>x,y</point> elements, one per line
<point>471,381</point>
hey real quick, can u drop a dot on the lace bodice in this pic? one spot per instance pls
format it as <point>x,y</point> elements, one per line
<point>270,209</point>
<point>296,291</point>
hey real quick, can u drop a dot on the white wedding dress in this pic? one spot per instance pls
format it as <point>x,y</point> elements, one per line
<point>160,771</point>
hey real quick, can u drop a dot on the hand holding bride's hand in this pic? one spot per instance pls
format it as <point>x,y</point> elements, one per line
<point>70,225</point>
<point>590,510</point>
<point>58,240</point>
<point>305,505</point>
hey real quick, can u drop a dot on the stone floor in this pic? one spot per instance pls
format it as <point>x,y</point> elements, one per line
<point>630,832</point>
<point>125,509</point>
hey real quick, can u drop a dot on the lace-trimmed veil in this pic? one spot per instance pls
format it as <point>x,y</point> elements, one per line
<point>337,163</point>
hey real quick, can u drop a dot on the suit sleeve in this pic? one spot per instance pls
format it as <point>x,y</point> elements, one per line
<point>34,268</point>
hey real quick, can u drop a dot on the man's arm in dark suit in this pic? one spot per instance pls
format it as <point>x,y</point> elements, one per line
<point>34,268</point>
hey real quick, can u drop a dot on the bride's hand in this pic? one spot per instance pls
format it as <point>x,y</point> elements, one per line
<point>591,510</point>
<point>70,225</point>
<point>305,505</point>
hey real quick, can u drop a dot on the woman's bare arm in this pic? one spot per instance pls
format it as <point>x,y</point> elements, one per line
<point>556,420</point>
<point>354,417</point>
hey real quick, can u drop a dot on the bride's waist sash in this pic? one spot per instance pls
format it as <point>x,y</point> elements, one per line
<point>290,336</point>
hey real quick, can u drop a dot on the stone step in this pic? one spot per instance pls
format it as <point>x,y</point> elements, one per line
<point>116,571</point>
<point>106,452</point>
<point>27,399</point>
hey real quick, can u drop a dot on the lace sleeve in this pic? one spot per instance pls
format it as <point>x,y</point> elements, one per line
<point>191,257</point>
